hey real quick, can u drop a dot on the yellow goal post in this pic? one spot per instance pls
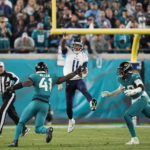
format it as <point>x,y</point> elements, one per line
<point>136,31</point>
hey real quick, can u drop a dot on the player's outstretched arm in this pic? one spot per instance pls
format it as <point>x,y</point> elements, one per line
<point>21,85</point>
<point>70,75</point>
<point>113,93</point>
<point>27,83</point>
<point>63,43</point>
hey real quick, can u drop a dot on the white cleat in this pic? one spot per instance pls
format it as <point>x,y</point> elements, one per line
<point>133,141</point>
<point>93,104</point>
<point>71,125</point>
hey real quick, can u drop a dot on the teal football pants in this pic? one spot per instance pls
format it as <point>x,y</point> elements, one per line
<point>141,105</point>
<point>35,108</point>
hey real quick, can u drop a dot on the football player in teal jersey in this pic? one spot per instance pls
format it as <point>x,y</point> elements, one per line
<point>42,82</point>
<point>132,85</point>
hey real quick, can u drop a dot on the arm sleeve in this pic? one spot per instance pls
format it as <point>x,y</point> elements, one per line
<point>64,51</point>
<point>117,91</point>
<point>85,63</point>
<point>54,79</point>
<point>138,82</point>
<point>14,78</point>
<point>33,78</point>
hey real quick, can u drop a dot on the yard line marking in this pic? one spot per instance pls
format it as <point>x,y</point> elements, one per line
<point>85,126</point>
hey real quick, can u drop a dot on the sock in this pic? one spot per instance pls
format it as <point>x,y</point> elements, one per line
<point>130,125</point>
<point>18,131</point>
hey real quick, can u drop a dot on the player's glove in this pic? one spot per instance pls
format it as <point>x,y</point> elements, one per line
<point>105,94</point>
<point>9,90</point>
<point>80,70</point>
<point>132,92</point>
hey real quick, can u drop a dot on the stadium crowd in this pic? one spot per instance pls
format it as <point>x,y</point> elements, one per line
<point>25,24</point>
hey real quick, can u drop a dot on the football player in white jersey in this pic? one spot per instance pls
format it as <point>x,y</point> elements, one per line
<point>75,57</point>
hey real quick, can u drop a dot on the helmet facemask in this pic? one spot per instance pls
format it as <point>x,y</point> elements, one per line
<point>124,70</point>
<point>77,47</point>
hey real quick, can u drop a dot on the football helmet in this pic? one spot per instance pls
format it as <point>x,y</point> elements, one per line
<point>124,70</point>
<point>77,45</point>
<point>41,66</point>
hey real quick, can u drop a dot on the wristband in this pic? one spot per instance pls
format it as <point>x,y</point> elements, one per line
<point>17,86</point>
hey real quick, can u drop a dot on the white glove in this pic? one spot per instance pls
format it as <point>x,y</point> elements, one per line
<point>133,92</point>
<point>105,93</point>
<point>129,92</point>
<point>60,87</point>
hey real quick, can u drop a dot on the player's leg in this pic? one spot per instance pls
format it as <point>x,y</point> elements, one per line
<point>81,86</point>
<point>14,116</point>
<point>26,115</point>
<point>70,93</point>
<point>49,116</point>
<point>4,108</point>
<point>40,119</point>
<point>134,110</point>
<point>146,110</point>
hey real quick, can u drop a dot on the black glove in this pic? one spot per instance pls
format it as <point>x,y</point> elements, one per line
<point>9,90</point>
<point>80,70</point>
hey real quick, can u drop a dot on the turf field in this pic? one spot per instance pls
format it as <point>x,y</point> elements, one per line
<point>80,138</point>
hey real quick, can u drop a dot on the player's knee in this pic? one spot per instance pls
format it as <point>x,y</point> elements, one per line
<point>20,124</point>
<point>126,115</point>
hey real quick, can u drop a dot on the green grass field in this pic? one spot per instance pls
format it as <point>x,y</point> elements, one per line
<point>80,138</point>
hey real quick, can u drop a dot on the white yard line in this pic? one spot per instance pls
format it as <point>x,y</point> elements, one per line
<point>85,126</point>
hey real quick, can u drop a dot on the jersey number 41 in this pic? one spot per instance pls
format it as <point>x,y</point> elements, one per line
<point>47,85</point>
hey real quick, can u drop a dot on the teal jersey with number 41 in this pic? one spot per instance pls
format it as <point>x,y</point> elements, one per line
<point>43,84</point>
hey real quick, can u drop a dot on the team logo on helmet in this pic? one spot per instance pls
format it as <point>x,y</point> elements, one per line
<point>124,70</point>
<point>41,66</point>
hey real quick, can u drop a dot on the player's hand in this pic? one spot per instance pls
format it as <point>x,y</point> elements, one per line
<point>80,70</point>
<point>105,94</point>
<point>130,92</point>
<point>9,90</point>
<point>84,74</point>
<point>60,87</point>
<point>64,35</point>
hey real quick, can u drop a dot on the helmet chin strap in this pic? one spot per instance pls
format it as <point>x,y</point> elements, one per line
<point>76,52</point>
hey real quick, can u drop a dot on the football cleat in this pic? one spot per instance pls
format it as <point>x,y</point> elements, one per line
<point>93,104</point>
<point>25,132</point>
<point>71,125</point>
<point>133,141</point>
<point>14,144</point>
<point>49,134</point>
